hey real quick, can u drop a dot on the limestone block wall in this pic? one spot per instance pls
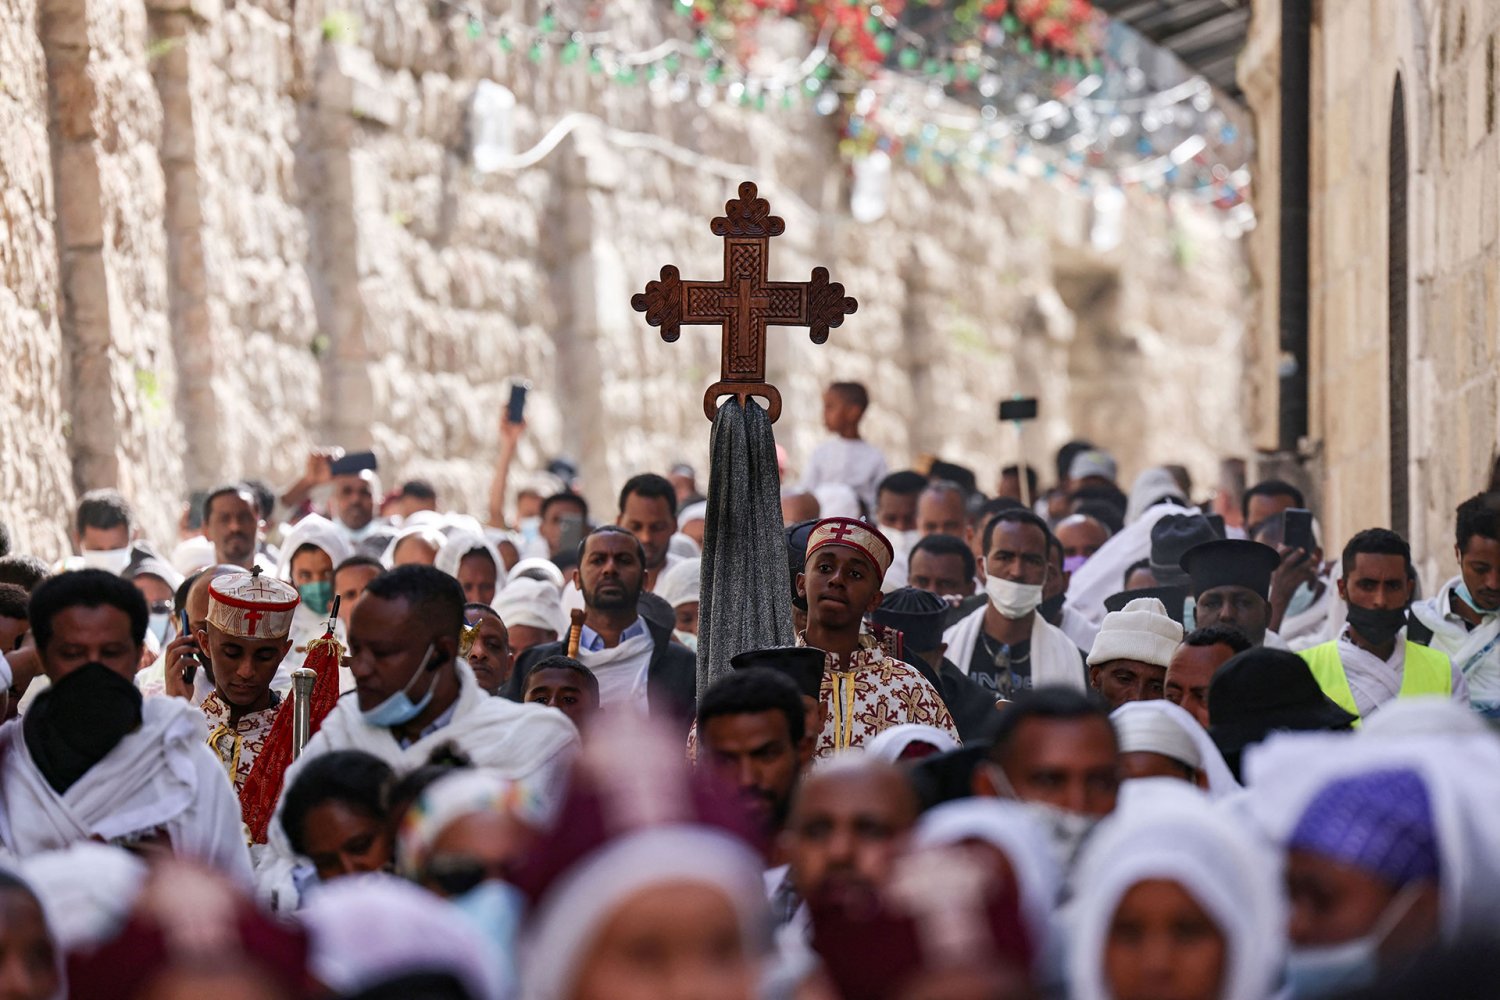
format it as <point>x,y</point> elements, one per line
<point>269,233</point>
<point>36,478</point>
<point>1446,54</point>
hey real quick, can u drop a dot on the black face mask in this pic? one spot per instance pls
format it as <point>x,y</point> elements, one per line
<point>1377,626</point>
<point>79,720</point>
<point>1052,607</point>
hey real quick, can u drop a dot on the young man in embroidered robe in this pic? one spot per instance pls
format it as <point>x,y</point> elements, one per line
<point>865,690</point>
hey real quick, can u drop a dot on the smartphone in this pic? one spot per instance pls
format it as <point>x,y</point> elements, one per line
<point>1018,410</point>
<point>353,463</point>
<point>1298,531</point>
<point>1216,521</point>
<point>515,410</point>
<point>190,660</point>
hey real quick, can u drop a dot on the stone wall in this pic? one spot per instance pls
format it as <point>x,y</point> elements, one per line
<point>339,272</point>
<point>1446,55</point>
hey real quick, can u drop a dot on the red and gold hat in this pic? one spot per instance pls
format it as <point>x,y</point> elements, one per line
<point>252,606</point>
<point>857,535</point>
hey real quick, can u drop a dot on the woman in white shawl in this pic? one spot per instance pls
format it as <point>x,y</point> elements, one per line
<point>1175,899</point>
<point>474,562</point>
<point>1156,735</point>
<point>690,899</point>
<point>312,551</point>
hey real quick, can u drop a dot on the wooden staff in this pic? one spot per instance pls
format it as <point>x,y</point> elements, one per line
<point>575,633</point>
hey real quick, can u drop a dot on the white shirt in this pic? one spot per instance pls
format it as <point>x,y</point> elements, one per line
<point>1374,681</point>
<point>856,463</point>
<point>1475,653</point>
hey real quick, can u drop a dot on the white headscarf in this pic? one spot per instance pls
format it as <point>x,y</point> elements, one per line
<point>1011,829</point>
<point>319,532</point>
<point>678,584</point>
<point>1165,829</point>
<point>432,536</point>
<point>531,602</point>
<point>368,929</point>
<point>461,543</point>
<point>537,569</point>
<point>1151,487</point>
<point>1462,775</point>
<point>891,743</point>
<point>87,891</point>
<point>1159,726</point>
<point>574,911</point>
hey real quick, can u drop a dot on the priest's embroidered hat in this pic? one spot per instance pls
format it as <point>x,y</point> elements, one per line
<point>857,535</point>
<point>251,606</point>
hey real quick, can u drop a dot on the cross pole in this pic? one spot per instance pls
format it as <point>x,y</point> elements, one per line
<point>743,303</point>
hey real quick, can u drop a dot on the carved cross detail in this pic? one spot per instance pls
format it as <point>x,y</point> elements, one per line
<point>743,303</point>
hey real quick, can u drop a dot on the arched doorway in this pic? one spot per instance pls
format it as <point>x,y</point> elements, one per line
<point>1397,275</point>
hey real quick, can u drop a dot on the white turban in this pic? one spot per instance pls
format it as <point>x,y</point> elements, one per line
<point>461,543</point>
<point>532,603</point>
<point>1165,829</point>
<point>679,584</point>
<point>1142,631</point>
<point>692,512</point>
<point>571,915</point>
<point>1159,726</point>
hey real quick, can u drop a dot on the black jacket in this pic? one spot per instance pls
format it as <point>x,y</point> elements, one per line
<point>671,677</point>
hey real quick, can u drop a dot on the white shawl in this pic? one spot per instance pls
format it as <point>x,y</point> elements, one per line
<point>1054,659</point>
<point>162,775</point>
<point>1104,574</point>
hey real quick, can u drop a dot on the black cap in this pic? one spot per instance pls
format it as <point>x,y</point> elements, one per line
<point>796,555</point>
<point>1231,563</point>
<point>803,664</point>
<point>919,615</point>
<point>1173,598</point>
<point>1171,538</point>
<point>1264,690</point>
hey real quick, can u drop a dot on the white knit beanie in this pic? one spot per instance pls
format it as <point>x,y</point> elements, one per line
<point>1142,631</point>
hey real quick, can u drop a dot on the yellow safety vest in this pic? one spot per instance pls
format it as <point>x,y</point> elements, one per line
<point>1426,673</point>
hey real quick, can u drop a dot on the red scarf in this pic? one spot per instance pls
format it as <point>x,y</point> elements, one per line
<point>262,788</point>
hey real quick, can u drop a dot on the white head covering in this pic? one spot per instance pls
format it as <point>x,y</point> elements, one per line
<point>837,500</point>
<point>891,743</point>
<point>1010,828</point>
<point>87,891</point>
<point>1104,574</point>
<point>1140,631</point>
<point>463,793</point>
<point>1151,487</point>
<point>367,929</point>
<point>679,584</point>
<point>538,569</point>
<point>692,512</point>
<point>192,554</point>
<point>531,602</point>
<point>459,544</point>
<point>1405,717</point>
<point>432,536</point>
<point>1462,776</point>
<point>1166,829</point>
<point>574,911</point>
<point>319,532</point>
<point>1159,726</point>
<point>683,546</point>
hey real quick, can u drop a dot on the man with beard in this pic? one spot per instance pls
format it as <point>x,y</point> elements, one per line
<point>849,822</point>
<point>752,733</point>
<point>231,521</point>
<point>1372,662</point>
<point>92,760</point>
<point>636,662</point>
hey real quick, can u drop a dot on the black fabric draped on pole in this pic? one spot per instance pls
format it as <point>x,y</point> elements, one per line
<point>745,602</point>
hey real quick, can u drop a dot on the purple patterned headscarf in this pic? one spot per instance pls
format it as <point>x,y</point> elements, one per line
<point>1379,822</point>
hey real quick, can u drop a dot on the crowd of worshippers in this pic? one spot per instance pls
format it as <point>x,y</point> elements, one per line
<point>1062,743</point>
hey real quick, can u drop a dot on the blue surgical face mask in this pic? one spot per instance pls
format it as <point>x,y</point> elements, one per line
<point>530,528</point>
<point>318,596</point>
<point>495,910</point>
<point>1340,968</point>
<point>1301,600</point>
<point>399,709</point>
<point>1462,590</point>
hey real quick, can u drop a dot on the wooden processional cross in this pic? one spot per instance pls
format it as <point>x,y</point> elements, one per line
<point>743,303</point>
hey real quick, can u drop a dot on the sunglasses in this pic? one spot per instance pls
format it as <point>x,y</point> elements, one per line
<point>455,875</point>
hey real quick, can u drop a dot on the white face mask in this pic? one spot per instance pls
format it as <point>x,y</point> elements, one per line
<point>1066,830</point>
<point>110,560</point>
<point>901,541</point>
<point>688,639</point>
<point>160,626</point>
<point>1013,600</point>
<point>1339,968</point>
